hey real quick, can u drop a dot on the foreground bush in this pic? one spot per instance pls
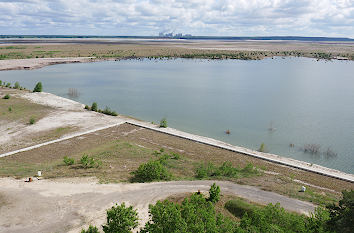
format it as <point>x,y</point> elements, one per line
<point>121,219</point>
<point>91,229</point>
<point>38,87</point>
<point>151,171</point>
<point>195,215</point>
<point>6,97</point>
<point>32,121</point>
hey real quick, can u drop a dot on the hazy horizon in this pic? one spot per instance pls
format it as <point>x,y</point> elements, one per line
<point>316,18</point>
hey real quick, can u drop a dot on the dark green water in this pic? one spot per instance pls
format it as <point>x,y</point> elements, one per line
<point>307,101</point>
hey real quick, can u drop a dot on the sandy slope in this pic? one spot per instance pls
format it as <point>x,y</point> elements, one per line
<point>67,205</point>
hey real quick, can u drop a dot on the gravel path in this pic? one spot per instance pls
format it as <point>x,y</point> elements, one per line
<point>68,205</point>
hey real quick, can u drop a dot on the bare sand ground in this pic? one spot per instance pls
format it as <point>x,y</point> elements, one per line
<point>35,63</point>
<point>63,113</point>
<point>68,205</point>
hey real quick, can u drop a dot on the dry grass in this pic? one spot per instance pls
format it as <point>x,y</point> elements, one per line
<point>21,109</point>
<point>123,148</point>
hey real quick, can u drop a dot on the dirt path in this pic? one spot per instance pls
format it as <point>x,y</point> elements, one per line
<point>68,205</point>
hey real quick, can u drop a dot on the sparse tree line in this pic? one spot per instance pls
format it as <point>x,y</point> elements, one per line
<point>197,213</point>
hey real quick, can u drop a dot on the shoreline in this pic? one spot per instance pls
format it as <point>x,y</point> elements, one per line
<point>37,63</point>
<point>273,158</point>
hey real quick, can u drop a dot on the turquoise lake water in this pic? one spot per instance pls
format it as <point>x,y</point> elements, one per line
<point>304,100</point>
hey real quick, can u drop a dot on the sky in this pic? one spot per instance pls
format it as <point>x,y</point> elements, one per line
<point>332,18</point>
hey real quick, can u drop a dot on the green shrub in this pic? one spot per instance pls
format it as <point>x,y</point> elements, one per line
<point>38,87</point>
<point>87,107</point>
<point>91,229</point>
<point>108,111</point>
<point>17,85</point>
<point>263,148</point>
<point>32,121</point>
<point>8,84</point>
<point>151,171</point>
<point>89,162</point>
<point>214,193</point>
<point>342,215</point>
<point>68,161</point>
<point>239,207</point>
<point>6,97</point>
<point>121,219</point>
<point>10,109</point>
<point>163,123</point>
<point>209,170</point>
<point>194,215</point>
<point>0,83</point>
<point>94,107</point>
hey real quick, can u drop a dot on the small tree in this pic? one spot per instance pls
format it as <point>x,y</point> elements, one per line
<point>94,107</point>
<point>17,85</point>
<point>91,229</point>
<point>38,87</point>
<point>163,123</point>
<point>214,193</point>
<point>121,219</point>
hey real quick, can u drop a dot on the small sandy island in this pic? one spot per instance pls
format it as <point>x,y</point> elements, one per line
<point>35,63</point>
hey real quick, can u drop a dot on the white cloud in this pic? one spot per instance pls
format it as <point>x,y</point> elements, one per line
<point>198,17</point>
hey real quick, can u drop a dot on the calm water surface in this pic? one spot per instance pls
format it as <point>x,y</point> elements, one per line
<point>306,101</point>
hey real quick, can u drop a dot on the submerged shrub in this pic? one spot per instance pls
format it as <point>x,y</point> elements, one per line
<point>38,87</point>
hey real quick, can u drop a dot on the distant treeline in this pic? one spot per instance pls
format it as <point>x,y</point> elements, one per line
<point>264,38</point>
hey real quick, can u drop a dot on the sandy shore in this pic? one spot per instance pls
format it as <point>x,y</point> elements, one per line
<point>35,63</point>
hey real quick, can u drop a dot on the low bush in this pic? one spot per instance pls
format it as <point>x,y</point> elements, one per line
<point>68,161</point>
<point>32,121</point>
<point>94,107</point>
<point>87,107</point>
<point>209,170</point>
<point>151,171</point>
<point>91,229</point>
<point>108,111</point>
<point>38,87</point>
<point>163,123</point>
<point>89,162</point>
<point>10,109</point>
<point>239,207</point>
<point>8,84</point>
<point>6,97</point>
<point>17,85</point>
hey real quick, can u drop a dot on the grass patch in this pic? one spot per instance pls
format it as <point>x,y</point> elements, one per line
<point>20,109</point>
